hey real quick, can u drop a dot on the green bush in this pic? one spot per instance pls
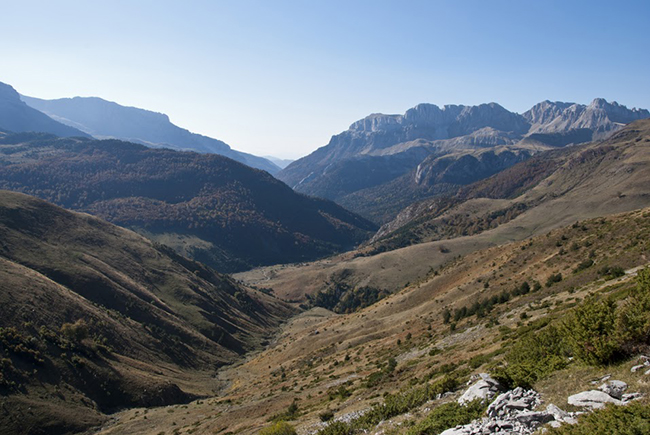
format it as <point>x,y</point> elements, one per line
<point>591,332</point>
<point>326,415</point>
<point>76,331</point>
<point>533,357</point>
<point>610,272</point>
<point>446,416</point>
<point>633,419</point>
<point>393,405</point>
<point>557,277</point>
<point>336,428</point>
<point>279,428</point>
<point>633,322</point>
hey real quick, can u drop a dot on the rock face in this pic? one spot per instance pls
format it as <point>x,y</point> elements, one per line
<point>484,389</point>
<point>600,117</point>
<point>105,119</point>
<point>380,149</point>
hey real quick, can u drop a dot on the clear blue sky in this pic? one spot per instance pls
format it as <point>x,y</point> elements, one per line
<point>281,77</point>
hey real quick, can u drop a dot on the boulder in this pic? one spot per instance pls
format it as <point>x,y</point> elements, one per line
<point>614,388</point>
<point>484,389</point>
<point>593,399</point>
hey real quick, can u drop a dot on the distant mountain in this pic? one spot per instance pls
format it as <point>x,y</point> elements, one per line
<point>104,119</point>
<point>206,206</point>
<point>17,116</point>
<point>550,189</point>
<point>282,163</point>
<point>380,149</point>
<point>95,318</point>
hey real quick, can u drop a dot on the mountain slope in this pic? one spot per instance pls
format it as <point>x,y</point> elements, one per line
<point>571,183</point>
<point>105,119</point>
<point>548,191</point>
<point>206,206</point>
<point>435,175</point>
<point>391,358</point>
<point>95,318</point>
<point>17,116</point>
<point>391,146</point>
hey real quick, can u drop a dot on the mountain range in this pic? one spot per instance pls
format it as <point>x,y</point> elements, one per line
<point>511,251</point>
<point>104,119</point>
<point>376,167</point>
<point>536,300</point>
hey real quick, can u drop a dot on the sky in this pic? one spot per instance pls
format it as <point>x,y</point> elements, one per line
<point>274,77</point>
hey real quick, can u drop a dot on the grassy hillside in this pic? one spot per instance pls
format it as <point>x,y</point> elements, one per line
<point>95,318</point>
<point>382,367</point>
<point>207,207</point>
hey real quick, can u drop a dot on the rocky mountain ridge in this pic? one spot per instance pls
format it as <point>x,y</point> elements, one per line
<point>394,145</point>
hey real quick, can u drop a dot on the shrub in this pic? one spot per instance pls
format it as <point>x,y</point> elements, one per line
<point>633,419</point>
<point>326,415</point>
<point>591,332</point>
<point>633,321</point>
<point>557,277</point>
<point>610,272</point>
<point>446,416</point>
<point>533,357</point>
<point>335,428</point>
<point>76,331</point>
<point>279,428</point>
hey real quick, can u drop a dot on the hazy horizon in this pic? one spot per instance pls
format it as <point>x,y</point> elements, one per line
<point>280,79</point>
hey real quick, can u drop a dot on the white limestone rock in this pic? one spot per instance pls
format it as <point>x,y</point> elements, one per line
<point>593,399</point>
<point>614,388</point>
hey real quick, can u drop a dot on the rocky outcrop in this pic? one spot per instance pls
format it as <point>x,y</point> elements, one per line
<point>518,411</point>
<point>512,412</point>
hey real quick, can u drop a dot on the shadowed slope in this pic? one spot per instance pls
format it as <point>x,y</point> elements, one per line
<point>94,318</point>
